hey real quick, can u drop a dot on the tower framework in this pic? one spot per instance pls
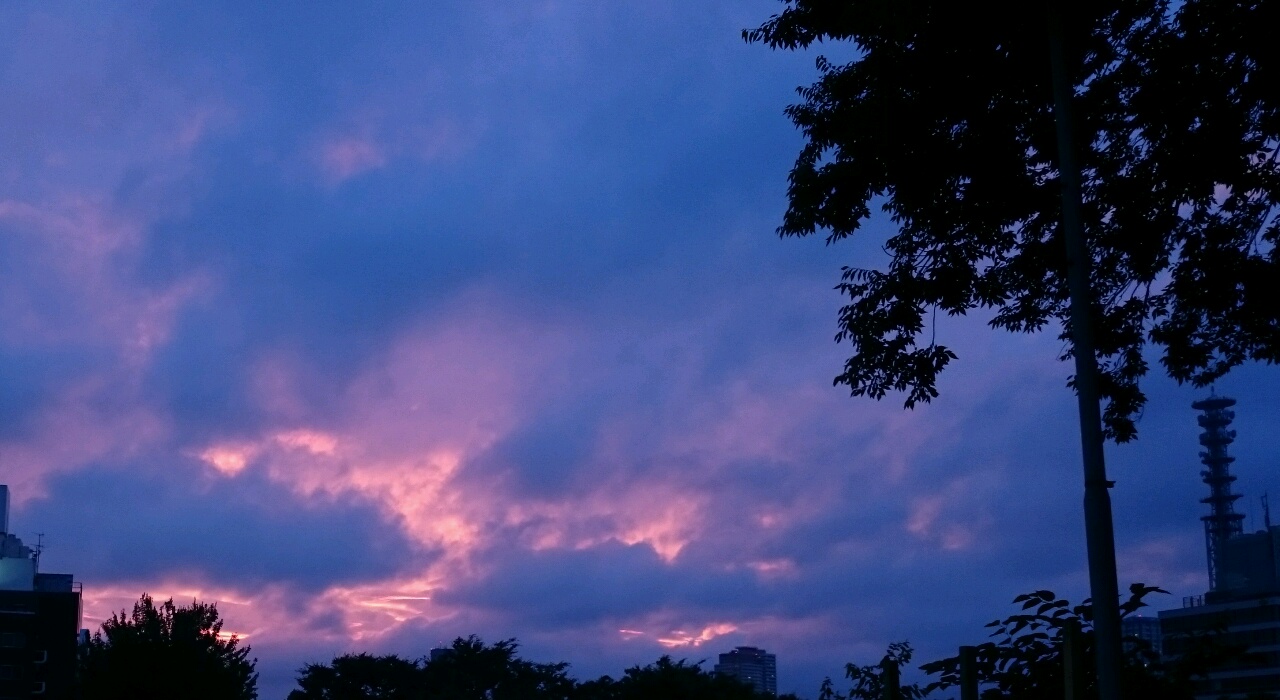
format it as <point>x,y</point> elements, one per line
<point>1223,522</point>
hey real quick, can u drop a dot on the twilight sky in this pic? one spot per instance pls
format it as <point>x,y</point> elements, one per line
<point>381,328</point>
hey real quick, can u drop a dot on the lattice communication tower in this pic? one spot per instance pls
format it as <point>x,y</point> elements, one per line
<point>1223,522</point>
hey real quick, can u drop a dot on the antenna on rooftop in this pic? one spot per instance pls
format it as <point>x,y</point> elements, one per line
<point>39,549</point>
<point>1266,512</point>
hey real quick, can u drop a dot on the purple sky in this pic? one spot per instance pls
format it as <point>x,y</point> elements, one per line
<point>384,328</point>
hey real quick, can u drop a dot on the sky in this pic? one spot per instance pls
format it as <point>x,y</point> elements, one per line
<point>383,327</point>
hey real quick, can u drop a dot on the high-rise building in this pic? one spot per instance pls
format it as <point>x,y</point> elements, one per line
<point>753,666</point>
<point>39,621</point>
<point>1145,628</point>
<point>440,653</point>
<point>1251,622</point>
<point>1243,600</point>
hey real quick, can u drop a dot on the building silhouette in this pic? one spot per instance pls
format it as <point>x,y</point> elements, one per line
<point>753,666</point>
<point>1147,629</point>
<point>1243,600</point>
<point>39,621</point>
<point>439,653</point>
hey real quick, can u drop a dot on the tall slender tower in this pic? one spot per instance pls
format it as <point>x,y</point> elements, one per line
<point>1223,522</point>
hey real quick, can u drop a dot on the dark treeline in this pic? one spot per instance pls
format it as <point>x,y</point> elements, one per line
<point>470,669</point>
<point>179,652</point>
<point>171,652</point>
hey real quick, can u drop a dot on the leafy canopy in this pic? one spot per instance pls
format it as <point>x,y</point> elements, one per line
<point>944,120</point>
<point>472,670</point>
<point>360,677</point>
<point>476,671</point>
<point>469,670</point>
<point>669,680</point>
<point>169,652</point>
<point>1025,659</point>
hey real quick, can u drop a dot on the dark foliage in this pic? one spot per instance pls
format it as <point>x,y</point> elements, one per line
<point>669,680</point>
<point>869,681</point>
<point>475,671</point>
<point>167,653</point>
<point>471,670</point>
<point>944,120</point>
<point>361,677</point>
<point>1025,660</point>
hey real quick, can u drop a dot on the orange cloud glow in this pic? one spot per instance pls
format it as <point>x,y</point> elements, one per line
<point>680,638</point>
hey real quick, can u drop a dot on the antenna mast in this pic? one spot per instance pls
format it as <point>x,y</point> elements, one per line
<point>39,549</point>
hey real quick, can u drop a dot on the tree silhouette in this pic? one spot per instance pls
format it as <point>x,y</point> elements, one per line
<point>476,671</point>
<point>361,677</point>
<point>945,120</point>
<point>669,680</point>
<point>1025,659</point>
<point>167,653</point>
<point>1113,166</point>
<point>472,670</point>
<point>869,681</point>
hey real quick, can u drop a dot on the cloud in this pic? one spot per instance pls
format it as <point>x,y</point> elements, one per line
<point>123,524</point>
<point>384,328</point>
<point>344,157</point>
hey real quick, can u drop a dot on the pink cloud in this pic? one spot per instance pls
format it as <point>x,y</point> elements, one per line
<point>75,290</point>
<point>344,157</point>
<point>954,517</point>
<point>408,430</point>
<point>89,251</point>
<point>193,127</point>
<point>73,429</point>
<point>229,459</point>
<point>368,140</point>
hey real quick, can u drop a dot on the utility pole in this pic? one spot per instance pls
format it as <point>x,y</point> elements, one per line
<point>968,673</point>
<point>891,680</point>
<point>1099,530</point>
<point>1072,661</point>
